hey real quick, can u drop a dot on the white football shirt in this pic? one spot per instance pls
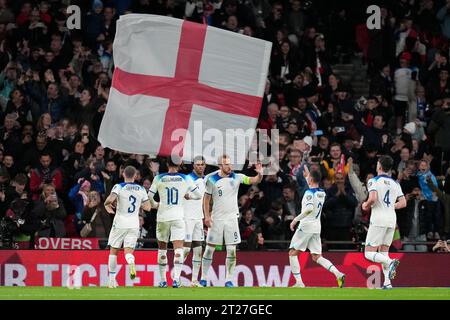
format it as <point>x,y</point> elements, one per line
<point>130,197</point>
<point>224,192</point>
<point>193,209</point>
<point>388,191</point>
<point>312,199</point>
<point>171,188</point>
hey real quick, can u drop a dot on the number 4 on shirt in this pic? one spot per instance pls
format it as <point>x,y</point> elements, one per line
<point>386,199</point>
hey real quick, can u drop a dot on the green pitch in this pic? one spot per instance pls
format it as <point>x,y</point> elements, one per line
<point>150,293</point>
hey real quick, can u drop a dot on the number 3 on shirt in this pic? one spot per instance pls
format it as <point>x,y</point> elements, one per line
<point>132,203</point>
<point>386,199</point>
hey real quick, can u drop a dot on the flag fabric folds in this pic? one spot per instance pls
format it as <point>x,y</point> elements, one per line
<point>174,80</point>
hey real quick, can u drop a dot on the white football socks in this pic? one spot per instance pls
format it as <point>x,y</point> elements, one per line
<point>129,258</point>
<point>377,257</point>
<point>387,281</point>
<point>162,263</point>
<point>177,263</point>
<point>196,262</point>
<point>112,264</point>
<point>295,268</point>
<point>329,266</point>
<point>207,260</point>
<point>230,262</point>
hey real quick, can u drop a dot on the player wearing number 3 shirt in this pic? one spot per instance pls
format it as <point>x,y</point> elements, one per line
<point>129,198</point>
<point>385,196</point>
<point>173,188</point>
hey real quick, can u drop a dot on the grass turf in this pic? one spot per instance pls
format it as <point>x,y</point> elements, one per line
<point>242,293</point>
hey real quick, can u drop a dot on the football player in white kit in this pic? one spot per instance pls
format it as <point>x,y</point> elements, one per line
<point>130,198</point>
<point>223,186</point>
<point>173,189</point>
<point>307,235</point>
<point>385,196</point>
<point>193,218</point>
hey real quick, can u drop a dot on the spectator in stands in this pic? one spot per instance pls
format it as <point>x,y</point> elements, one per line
<point>79,195</point>
<point>274,226</point>
<point>339,209</point>
<point>44,174</point>
<point>51,212</point>
<point>249,227</point>
<point>102,223</point>
<point>433,214</point>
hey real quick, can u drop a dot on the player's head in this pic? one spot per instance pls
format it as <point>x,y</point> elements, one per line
<point>129,173</point>
<point>314,177</point>
<point>385,164</point>
<point>173,163</point>
<point>224,163</point>
<point>199,165</point>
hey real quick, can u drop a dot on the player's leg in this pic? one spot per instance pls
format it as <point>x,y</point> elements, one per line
<point>213,238</point>
<point>374,240</point>
<point>315,247</point>
<point>389,270</point>
<point>206,262</point>
<point>188,239</point>
<point>232,239</point>
<point>112,265</point>
<point>197,241</point>
<point>319,259</point>
<point>177,235</point>
<point>115,241</point>
<point>129,245</point>
<point>295,267</point>
<point>298,244</point>
<point>162,235</point>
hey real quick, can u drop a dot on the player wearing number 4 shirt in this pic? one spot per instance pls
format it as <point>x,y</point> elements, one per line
<point>307,235</point>
<point>222,187</point>
<point>173,189</point>
<point>129,198</point>
<point>385,196</point>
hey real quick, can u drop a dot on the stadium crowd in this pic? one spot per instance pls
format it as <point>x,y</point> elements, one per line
<point>54,86</point>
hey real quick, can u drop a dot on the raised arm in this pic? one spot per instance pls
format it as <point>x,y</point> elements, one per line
<point>258,178</point>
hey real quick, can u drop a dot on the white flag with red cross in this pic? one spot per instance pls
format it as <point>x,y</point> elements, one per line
<point>177,82</point>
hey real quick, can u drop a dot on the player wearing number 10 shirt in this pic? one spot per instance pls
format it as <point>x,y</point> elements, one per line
<point>173,188</point>
<point>129,198</point>
<point>385,196</point>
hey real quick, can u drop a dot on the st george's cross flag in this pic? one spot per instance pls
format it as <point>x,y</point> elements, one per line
<point>173,76</point>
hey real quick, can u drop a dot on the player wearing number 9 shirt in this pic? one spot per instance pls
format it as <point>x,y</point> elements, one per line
<point>130,197</point>
<point>222,187</point>
<point>173,188</point>
<point>385,196</point>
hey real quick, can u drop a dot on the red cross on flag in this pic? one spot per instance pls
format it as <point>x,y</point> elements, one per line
<point>175,76</point>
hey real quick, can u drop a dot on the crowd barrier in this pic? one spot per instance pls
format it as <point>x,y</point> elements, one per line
<point>254,269</point>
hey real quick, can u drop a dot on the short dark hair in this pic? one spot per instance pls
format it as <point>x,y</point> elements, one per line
<point>386,163</point>
<point>129,172</point>
<point>316,176</point>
